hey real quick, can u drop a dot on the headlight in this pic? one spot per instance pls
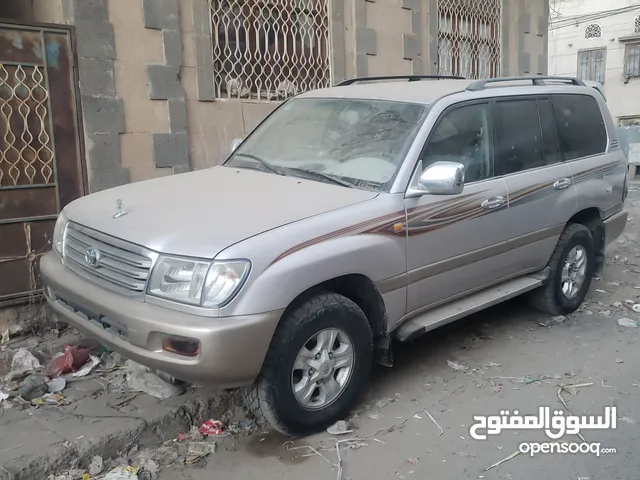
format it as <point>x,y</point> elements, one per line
<point>58,233</point>
<point>197,282</point>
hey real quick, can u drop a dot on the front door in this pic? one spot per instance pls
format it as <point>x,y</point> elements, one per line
<point>456,243</point>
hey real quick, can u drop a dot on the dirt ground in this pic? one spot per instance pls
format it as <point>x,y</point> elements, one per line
<point>508,357</point>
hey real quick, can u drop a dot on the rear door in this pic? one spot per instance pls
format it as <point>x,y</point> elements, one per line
<point>539,184</point>
<point>598,171</point>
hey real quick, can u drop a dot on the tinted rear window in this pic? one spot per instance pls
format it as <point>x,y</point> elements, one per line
<point>581,129</point>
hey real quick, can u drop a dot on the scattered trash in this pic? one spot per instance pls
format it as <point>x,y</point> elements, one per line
<point>23,362</point>
<point>636,307</point>
<point>194,435</point>
<point>374,416</point>
<point>140,379</point>
<point>619,360</point>
<point>96,466</point>
<point>436,423</point>
<point>457,366</point>
<point>339,428</point>
<point>212,427</point>
<point>589,312</point>
<point>417,417</point>
<point>627,322</point>
<point>122,473</point>
<point>32,387</point>
<point>413,461</point>
<point>199,450</point>
<point>56,385</point>
<point>70,360</point>
<point>601,291</point>
<point>513,455</point>
<point>606,313</point>
<point>48,399</point>
<point>614,284</point>
<point>86,369</point>
<point>559,318</point>
<point>617,304</point>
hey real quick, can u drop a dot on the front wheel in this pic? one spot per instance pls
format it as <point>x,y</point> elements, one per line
<point>572,266</point>
<point>317,364</point>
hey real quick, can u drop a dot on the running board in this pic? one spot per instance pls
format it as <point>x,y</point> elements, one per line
<point>465,306</point>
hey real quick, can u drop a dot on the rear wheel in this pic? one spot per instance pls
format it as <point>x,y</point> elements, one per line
<point>318,362</point>
<point>572,267</point>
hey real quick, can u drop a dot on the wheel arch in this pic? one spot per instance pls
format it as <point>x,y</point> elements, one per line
<point>592,219</point>
<point>358,288</point>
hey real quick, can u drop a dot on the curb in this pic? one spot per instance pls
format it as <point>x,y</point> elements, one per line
<point>147,433</point>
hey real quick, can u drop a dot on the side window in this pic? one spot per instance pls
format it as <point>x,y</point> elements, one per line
<point>581,128</point>
<point>518,136</point>
<point>551,147</point>
<point>462,135</point>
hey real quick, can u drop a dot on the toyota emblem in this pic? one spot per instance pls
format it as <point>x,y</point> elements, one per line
<point>92,257</point>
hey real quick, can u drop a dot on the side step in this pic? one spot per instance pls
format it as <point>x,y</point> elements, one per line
<point>449,312</point>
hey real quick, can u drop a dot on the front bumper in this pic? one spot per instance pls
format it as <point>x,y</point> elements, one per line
<point>232,348</point>
<point>614,226</point>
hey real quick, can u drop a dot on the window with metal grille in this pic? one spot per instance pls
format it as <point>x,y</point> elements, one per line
<point>632,60</point>
<point>469,38</point>
<point>591,64</point>
<point>270,49</point>
<point>593,31</point>
<point>636,25</point>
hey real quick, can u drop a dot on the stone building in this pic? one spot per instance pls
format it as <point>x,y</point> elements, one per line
<point>99,93</point>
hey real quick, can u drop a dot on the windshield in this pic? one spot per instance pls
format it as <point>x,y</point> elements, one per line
<point>356,143</point>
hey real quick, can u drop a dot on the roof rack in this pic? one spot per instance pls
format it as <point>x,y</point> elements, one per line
<point>536,80</point>
<point>409,78</point>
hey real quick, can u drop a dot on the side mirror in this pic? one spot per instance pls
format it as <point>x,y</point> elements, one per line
<point>235,144</point>
<point>442,178</point>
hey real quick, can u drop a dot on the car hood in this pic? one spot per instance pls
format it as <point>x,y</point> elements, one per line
<point>201,213</point>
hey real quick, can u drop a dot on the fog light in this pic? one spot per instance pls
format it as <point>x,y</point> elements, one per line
<point>187,347</point>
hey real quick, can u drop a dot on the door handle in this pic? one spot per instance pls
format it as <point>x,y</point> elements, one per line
<point>493,202</point>
<point>562,183</point>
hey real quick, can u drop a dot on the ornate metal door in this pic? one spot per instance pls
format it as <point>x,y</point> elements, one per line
<point>40,151</point>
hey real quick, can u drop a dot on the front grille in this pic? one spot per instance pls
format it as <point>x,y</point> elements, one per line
<point>121,265</point>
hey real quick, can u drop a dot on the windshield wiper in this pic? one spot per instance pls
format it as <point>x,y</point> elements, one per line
<point>264,163</point>
<point>322,176</point>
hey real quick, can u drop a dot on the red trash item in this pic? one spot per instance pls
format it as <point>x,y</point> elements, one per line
<point>72,359</point>
<point>212,427</point>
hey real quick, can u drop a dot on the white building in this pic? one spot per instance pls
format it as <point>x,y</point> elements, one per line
<point>599,40</point>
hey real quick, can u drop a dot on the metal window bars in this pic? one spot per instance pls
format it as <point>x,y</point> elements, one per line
<point>26,151</point>
<point>469,38</point>
<point>270,49</point>
<point>593,31</point>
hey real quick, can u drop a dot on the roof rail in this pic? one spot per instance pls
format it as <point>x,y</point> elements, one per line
<point>409,78</point>
<point>535,80</point>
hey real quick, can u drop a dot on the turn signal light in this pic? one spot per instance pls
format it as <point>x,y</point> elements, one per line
<point>187,347</point>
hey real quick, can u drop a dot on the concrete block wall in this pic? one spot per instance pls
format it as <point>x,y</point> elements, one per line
<point>146,72</point>
<point>212,123</point>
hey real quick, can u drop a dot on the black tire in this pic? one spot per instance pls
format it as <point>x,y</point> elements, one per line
<point>271,399</point>
<point>549,298</point>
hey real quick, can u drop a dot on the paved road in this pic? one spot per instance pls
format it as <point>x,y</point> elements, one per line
<point>504,350</point>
